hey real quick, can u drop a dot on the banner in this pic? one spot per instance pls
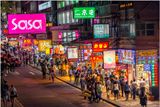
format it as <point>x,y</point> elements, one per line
<point>26,23</point>
<point>109,59</point>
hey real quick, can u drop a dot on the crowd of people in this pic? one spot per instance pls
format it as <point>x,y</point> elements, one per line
<point>94,80</point>
<point>91,81</point>
<point>9,61</point>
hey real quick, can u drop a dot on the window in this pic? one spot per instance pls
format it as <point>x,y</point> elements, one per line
<point>149,29</point>
<point>66,17</point>
<point>145,29</point>
<point>67,21</point>
<point>127,29</point>
<point>132,29</point>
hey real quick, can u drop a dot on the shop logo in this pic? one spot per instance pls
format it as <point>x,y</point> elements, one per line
<point>27,24</point>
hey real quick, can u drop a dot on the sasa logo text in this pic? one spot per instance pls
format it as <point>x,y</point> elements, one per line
<point>27,24</point>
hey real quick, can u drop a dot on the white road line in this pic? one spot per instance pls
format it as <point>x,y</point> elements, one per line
<point>19,103</point>
<point>31,73</point>
<point>15,73</point>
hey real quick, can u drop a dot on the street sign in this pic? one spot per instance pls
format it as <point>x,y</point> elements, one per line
<point>83,12</point>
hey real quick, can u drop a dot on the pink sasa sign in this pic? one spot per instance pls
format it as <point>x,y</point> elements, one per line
<point>26,23</point>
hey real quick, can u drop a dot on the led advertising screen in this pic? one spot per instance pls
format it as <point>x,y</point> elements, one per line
<point>109,59</point>
<point>101,31</point>
<point>26,23</point>
<point>126,56</point>
<point>72,53</point>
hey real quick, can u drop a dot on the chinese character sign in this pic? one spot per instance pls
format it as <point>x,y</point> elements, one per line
<point>84,12</point>
<point>101,31</point>
<point>100,46</point>
<point>109,59</point>
<point>27,42</point>
<point>72,53</point>
<point>43,45</point>
<point>26,23</point>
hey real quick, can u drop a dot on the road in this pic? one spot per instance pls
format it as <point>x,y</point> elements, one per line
<point>35,92</point>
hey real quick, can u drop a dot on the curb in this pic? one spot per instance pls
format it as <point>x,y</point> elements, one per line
<point>116,105</point>
<point>110,102</point>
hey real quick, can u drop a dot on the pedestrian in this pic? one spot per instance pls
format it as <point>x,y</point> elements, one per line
<point>70,74</point>
<point>77,74</point>
<point>142,85</point>
<point>108,86</point>
<point>5,93</point>
<point>82,82</point>
<point>143,99</point>
<point>134,89</point>
<point>52,73</point>
<point>98,92</point>
<point>122,83</point>
<point>116,90</point>
<point>131,88</point>
<point>13,95</point>
<point>127,90</point>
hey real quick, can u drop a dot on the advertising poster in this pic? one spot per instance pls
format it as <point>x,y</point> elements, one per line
<point>26,23</point>
<point>126,56</point>
<point>101,31</point>
<point>72,53</point>
<point>109,59</point>
<point>43,45</point>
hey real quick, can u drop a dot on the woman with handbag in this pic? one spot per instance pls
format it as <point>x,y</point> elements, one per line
<point>13,95</point>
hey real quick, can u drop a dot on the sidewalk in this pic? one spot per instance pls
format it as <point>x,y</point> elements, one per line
<point>17,104</point>
<point>120,102</point>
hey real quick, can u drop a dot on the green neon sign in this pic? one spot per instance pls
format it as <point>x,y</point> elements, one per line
<point>84,12</point>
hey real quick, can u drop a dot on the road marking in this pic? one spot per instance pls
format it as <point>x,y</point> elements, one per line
<point>15,73</point>
<point>31,73</point>
<point>18,102</point>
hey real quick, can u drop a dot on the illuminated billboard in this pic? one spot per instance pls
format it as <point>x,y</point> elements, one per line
<point>101,31</point>
<point>72,53</point>
<point>109,59</point>
<point>26,23</point>
<point>43,45</point>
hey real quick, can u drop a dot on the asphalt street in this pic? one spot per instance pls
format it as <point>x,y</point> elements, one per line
<point>35,92</point>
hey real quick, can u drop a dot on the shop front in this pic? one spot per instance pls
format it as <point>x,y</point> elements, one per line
<point>84,53</point>
<point>147,66</point>
<point>97,54</point>
<point>126,63</point>
<point>60,58</point>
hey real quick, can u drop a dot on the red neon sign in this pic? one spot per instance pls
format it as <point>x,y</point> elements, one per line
<point>100,46</point>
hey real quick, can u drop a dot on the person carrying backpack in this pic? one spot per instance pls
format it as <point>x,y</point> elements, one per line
<point>13,95</point>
